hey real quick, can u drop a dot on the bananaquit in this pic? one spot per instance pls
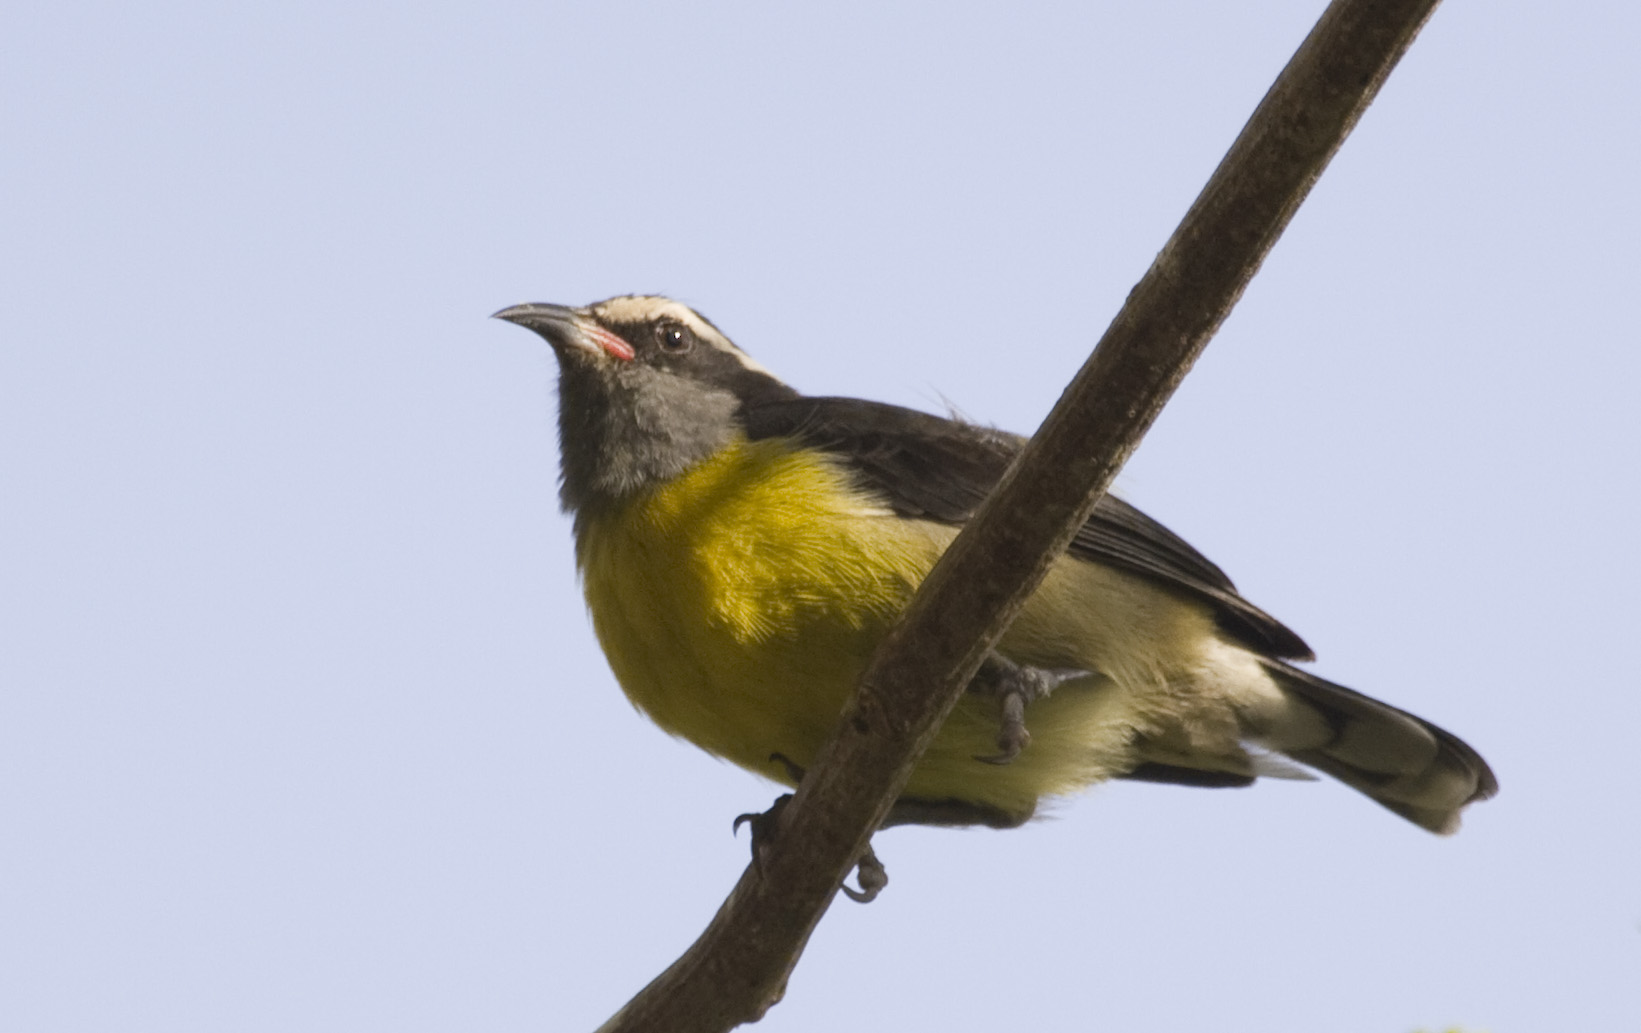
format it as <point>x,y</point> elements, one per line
<point>743,548</point>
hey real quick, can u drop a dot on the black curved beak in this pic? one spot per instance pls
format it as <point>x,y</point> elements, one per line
<point>569,330</point>
<point>559,324</point>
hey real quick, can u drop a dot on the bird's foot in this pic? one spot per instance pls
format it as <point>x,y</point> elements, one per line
<point>1015,686</point>
<point>871,875</point>
<point>763,827</point>
<point>869,871</point>
<point>763,824</point>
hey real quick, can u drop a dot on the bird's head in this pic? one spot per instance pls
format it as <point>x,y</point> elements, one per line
<point>648,387</point>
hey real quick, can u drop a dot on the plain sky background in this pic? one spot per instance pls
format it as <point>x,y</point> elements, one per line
<point>302,723</point>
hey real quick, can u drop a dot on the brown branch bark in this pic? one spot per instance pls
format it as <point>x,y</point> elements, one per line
<point>739,966</point>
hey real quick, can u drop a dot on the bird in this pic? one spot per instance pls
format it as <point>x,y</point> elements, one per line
<point>744,547</point>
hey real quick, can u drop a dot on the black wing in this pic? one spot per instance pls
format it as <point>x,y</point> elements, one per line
<point>939,469</point>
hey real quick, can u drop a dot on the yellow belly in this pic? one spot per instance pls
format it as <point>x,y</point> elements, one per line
<point>738,605</point>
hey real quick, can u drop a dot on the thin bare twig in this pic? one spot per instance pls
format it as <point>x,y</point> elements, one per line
<point>739,966</point>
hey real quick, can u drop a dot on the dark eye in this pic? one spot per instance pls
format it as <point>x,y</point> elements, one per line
<point>674,337</point>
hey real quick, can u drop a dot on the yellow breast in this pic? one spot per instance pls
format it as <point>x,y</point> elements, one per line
<point>739,603</point>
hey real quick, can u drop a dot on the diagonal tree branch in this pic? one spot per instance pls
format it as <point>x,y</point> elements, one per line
<point>739,966</point>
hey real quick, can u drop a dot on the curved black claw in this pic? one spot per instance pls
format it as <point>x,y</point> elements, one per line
<point>1015,686</point>
<point>763,826</point>
<point>793,771</point>
<point>871,875</point>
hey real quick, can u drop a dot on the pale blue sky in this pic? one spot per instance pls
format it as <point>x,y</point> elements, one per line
<point>302,725</point>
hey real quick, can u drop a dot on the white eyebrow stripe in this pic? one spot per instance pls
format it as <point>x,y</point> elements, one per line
<point>638,308</point>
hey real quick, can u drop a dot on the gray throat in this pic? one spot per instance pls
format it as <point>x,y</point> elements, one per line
<point>624,433</point>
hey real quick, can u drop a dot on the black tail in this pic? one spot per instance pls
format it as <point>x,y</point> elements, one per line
<point>1407,764</point>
